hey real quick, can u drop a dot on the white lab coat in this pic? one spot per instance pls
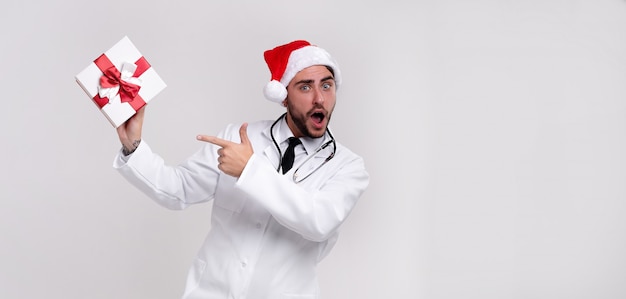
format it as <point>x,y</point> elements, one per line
<point>267,233</point>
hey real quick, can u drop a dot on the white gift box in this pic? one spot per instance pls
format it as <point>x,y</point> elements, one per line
<point>120,82</point>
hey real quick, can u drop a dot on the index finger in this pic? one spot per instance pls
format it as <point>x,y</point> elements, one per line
<point>212,139</point>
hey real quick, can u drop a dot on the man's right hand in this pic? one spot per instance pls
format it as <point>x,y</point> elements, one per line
<point>130,132</point>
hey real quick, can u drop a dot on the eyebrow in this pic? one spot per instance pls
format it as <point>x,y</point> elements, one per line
<point>309,81</point>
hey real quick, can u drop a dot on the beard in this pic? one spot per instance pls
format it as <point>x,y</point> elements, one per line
<point>300,121</point>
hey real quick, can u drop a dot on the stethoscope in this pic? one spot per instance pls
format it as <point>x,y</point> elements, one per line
<point>296,177</point>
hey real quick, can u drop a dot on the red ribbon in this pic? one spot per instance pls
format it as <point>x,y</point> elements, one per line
<point>111,77</point>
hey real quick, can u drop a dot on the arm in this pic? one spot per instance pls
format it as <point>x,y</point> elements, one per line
<point>192,181</point>
<point>130,132</point>
<point>314,214</point>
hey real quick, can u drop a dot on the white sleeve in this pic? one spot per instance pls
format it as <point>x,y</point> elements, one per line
<point>174,187</point>
<point>314,214</point>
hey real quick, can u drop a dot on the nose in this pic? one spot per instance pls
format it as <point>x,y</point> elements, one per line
<point>319,96</point>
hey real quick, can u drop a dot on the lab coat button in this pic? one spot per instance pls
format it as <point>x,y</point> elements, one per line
<point>259,225</point>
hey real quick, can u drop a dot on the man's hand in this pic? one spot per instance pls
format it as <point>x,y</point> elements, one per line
<point>233,157</point>
<point>130,132</point>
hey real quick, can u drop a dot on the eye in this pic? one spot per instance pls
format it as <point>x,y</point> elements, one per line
<point>326,86</point>
<point>305,87</point>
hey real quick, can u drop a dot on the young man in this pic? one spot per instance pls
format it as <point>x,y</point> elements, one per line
<point>271,223</point>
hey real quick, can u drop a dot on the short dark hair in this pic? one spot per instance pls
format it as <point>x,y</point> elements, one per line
<point>330,69</point>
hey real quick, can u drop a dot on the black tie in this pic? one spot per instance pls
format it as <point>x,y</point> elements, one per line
<point>287,161</point>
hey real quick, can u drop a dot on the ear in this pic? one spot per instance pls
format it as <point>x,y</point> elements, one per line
<point>285,103</point>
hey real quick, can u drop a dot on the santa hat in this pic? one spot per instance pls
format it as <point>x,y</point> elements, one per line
<point>287,60</point>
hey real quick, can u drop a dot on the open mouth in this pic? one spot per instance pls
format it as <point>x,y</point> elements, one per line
<point>318,117</point>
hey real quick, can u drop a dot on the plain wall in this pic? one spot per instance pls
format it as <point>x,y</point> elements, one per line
<point>494,133</point>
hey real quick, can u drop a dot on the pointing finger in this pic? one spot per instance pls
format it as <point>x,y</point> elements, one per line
<point>214,140</point>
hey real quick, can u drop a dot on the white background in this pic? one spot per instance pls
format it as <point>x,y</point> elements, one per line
<point>494,133</point>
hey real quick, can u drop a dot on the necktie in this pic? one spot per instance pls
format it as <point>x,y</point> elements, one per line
<point>287,161</point>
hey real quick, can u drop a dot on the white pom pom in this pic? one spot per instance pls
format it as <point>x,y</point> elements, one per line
<point>275,91</point>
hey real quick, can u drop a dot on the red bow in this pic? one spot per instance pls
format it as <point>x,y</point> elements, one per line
<point>112,77</point>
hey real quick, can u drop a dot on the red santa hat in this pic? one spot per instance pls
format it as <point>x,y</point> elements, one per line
<point>287,60</point>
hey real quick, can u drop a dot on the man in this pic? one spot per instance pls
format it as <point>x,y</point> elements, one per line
<point>271,223</point>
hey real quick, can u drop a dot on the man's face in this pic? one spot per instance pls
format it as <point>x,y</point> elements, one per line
<point>310,101</point>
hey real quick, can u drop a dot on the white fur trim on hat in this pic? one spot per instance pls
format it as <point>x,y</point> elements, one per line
<point>306,57</point>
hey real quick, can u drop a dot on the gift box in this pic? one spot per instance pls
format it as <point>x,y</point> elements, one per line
<point>120,82</point>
